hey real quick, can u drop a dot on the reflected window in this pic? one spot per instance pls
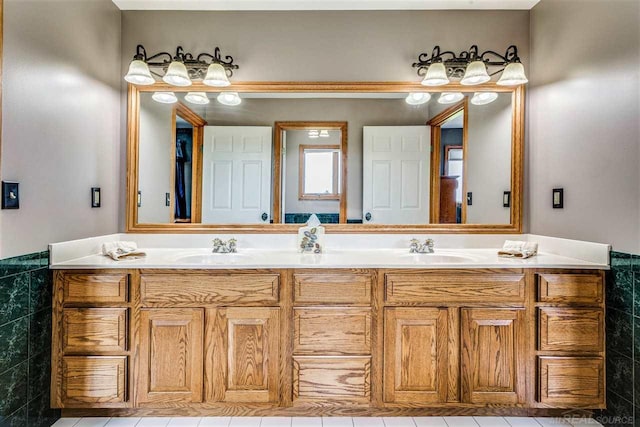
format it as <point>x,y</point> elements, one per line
<point>319,172</point>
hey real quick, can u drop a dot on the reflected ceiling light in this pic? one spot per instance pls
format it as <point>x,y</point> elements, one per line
<point>436,75</point>
<point>450,97</point>
<point>229,98</point>
<point>180,69</point>
<point>324,133</point>
<point>483,98</point>
<point>513,75</point>
<point>199,98</point>
<point>139,73</point>
<point>314,133</point>
<point>417,98</point>
<point>470,66</point>
<point>216,76</point>
<point>165,97</point>
<point>475,74</point>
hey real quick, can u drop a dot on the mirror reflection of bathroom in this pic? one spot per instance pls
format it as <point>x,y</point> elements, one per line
<point>312,175</point>
<point>183,170</point>
<point>451,169</point>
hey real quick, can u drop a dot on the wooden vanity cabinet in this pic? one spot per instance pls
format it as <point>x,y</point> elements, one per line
<point>327,342</point>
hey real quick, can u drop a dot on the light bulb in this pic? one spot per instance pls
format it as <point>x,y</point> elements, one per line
<point>450,97</point>
<point>483,98</point>
<point>229,98</point>
<point>199,98</point>
<point>417,98</point>
<point>165,97</point>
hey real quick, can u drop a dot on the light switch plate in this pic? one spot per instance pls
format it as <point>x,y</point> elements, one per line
<point>10,195</point>
<point>558,198</point>
<point>469,198</point>
<point>95,197</point>
<point>506,199</point>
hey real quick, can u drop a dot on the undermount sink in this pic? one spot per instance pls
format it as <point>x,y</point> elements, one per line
<point>212,258</point>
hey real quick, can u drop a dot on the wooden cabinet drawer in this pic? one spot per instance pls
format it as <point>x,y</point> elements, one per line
<point>570,329</point>
<point>454,288</point>
<point>570,288</point>
<point>88,330</point>
<point>343,379</point>
<point>95,288</point>
<point>345,330</point>
<point>318,288</point>
<point>94,381</point>
<point>570,382</point>
<point>195,290</point>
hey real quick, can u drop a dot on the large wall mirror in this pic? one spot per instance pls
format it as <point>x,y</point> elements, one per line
<point>391,157</point>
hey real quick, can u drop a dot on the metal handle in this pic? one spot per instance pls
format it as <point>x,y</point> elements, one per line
<point>367,216</point>
<point>264,216</point>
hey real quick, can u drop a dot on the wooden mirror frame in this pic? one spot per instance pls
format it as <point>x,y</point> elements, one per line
<point>517,158</point>
<point>277,164</point>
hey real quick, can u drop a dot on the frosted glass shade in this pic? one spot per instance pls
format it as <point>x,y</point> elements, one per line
<point>324,133</point>
<point>436,75</point>
<point>450,97</point>
<point>139,73</point>
<point>177,75</point>
<point>483,98</point>
<point>314,134</point>
<point>165,97</point>
<point>216,76</point>
<point>229,98</point>
<point>199,98</point>
<point>417,98</point>
<point>475,74</point>
<point>513,75</point>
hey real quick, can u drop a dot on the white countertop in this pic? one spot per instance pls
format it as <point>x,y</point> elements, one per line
<point>203,258</point>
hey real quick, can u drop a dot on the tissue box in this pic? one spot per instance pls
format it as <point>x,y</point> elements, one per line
<point>311,239</point>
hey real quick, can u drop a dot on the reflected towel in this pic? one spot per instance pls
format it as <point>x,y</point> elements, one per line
<point>518,249</point>
<point>122,250</point>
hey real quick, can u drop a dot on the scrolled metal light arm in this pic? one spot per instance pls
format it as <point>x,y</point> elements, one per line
<point>457,64</point>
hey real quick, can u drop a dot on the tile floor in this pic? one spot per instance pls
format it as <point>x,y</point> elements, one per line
<point>327,422</point>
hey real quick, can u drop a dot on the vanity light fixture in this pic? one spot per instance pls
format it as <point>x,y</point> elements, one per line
<point>324,133</point>
<point>180,69</point>
<point>483,98</point>
<point>313,133</point>
<point>470,66</point>
<point>165,97</point>
<point>450,97</point>
<point>198,98</point>
<point>417,98</point>
<point>229,98</point>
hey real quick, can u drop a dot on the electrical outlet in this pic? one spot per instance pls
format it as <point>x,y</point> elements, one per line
<point>558,198</point>
<point>10,195</point>
<point>95,197</point>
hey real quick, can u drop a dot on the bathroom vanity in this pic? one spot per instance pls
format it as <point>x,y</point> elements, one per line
<point>423,336</point>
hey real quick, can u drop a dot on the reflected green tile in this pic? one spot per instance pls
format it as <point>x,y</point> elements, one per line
<point>17,419</point>
<point>41,290</point>
<point>14,343</point>
<point>39,374</point>
<point>40,414</point>
<point>619,293</point>
<point>39,331</point>
<point>619,332</point>
<point>620,375</point>
<point>13,389</point>
<point>14,297</point>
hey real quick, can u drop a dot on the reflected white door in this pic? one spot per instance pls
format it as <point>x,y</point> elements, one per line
<point>236,175</point>
<point>396,164</point>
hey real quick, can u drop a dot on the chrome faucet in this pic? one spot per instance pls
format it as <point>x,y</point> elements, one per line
<point>416,247</point>
<point>222,247</point>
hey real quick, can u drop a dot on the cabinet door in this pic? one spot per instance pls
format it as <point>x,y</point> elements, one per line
<point>493,355</point>
<point>170,356</point>
<point>415,355</point>
<point>242,351</point>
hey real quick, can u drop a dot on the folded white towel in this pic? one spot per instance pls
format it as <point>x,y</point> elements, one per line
<point>120,250</point>
<point>518,249</point>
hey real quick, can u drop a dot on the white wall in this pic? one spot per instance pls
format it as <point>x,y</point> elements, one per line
<point>61,120</point>
<point>154,170</point>
<point>583,121</point>
<point>489,161</point>
<point>294,139</point>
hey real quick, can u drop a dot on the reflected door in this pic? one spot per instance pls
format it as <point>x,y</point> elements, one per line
<point>396,164</point>
<point>236,175</point>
